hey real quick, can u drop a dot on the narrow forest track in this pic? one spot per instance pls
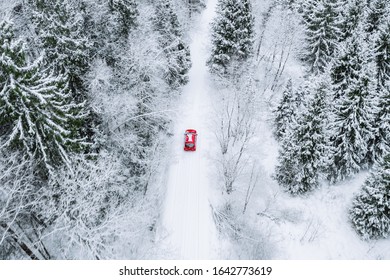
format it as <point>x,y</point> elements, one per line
<point>187,229</point>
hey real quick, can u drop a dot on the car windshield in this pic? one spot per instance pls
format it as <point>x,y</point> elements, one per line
<point>189,137</point>
<point>189,145</point>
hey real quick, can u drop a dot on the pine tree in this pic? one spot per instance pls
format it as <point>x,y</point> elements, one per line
<point>380,145</point>
<point>286,125</point>
<point>378,11</point>
<point>311,140</point>
<point>36,114</point>
<point>307,9</point>
<point>127,13</point>
<point>379,27</point>
<point>322,32</point>
<point>355,13</point>
<point>172,42</point>
<point>285,111</point>
<point>354,90</point>
<point>59,31</point>
<point>303,150</point>
<point>370,212</point>
<point>232,34</point>
<point>287,170</point>
<point>382,55</point>
<point>107,24</point>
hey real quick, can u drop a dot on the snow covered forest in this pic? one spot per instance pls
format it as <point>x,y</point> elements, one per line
<point>291,99</point>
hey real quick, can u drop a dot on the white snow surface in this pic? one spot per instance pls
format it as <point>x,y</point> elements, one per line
<point>187,229</point>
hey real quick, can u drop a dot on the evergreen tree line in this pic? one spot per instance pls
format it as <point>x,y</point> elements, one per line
<point>338,123</point>
<point>69,161</point>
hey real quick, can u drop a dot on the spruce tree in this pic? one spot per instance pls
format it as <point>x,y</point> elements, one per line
<point>286,126</point>
<point>127,13</point>
<point>285,111</point>
<point>232,34</point>
<point>312,142</point>
<point>107,24</point>
<point>378,11</point>
<point>354,91</point>
<point>322,32</point>
<point>37,116</point>
<point>382,54</point>
<point>301,158</point>
<point>354,13</point>
<point>59,27</point>
<point>380,145</point>
<point>172,42</point>
<point>379,28</point>
<point>370,212</point>
<point>287,170</point>
<point>307,9</point>
<point>59,31</point>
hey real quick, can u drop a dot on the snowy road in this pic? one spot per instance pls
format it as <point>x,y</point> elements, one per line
<point>187,228</point>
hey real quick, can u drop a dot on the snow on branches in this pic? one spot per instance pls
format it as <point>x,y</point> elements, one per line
<point>232,34</point>
<point>37,115</point>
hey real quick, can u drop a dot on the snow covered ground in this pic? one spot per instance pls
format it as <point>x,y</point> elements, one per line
<point>187,230</point>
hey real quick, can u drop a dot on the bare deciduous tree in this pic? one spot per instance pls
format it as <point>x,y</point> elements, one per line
<point>235,126</point>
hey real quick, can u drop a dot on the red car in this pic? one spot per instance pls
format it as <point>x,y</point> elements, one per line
<point>190,140</point>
